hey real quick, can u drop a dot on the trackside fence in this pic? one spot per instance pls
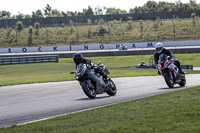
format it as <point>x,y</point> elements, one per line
<point>28,59</point>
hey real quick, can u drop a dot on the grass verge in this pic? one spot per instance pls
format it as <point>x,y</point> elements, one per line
<point>169,113</point>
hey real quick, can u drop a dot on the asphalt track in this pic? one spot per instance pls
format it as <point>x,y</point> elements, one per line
<point>26,103</point>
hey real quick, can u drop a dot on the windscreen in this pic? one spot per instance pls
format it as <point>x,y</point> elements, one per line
<point>162,58</point>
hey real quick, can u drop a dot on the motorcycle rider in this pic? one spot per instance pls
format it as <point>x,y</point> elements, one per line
<point>78,59</point>
<point>161,50</point>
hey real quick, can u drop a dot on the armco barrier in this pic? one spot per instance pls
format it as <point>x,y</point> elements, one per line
<point>190,67</point>
<point>28,59</point>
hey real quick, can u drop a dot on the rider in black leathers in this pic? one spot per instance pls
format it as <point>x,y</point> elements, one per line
<point>78,59</point>
<point>161,50</point>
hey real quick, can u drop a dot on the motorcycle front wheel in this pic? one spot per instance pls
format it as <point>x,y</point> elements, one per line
<point>183,81</point>
<point>90,92</point>
<point>111,90</point>
<point>168,79</point>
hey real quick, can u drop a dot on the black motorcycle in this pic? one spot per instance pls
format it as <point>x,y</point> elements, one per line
<point>92,81</point>
<point>170,71</point>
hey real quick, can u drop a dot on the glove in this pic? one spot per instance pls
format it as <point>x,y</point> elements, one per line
<point>158,66</point>
<point>159,69</point>
<point>173,59</point>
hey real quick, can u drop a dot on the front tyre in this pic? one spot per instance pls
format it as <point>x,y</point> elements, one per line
<point>89,91</point>
<point>183,80</point>
<point>168,79</point>
<point>112,90</point>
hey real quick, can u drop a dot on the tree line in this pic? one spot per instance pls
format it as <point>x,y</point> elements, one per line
<point>148,7</point>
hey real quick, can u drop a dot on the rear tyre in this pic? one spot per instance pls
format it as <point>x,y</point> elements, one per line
<point>168,79</point>
<point>183,81</point>
<point>111,90</point>
<point>90,92</point>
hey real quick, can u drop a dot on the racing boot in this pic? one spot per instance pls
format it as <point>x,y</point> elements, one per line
<point>182,72</point>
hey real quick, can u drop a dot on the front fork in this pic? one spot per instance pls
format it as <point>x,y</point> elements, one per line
<point>170,74</point>
<point>90,84</point>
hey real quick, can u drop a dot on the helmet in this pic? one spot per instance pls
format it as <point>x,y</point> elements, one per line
<point>78,58</point>
<point>159,47</point>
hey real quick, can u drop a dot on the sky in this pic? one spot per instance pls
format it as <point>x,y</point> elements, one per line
<point>28,6</point>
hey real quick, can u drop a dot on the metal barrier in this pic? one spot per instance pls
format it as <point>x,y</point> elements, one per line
<point>187,67</point>
<point>28,59</point>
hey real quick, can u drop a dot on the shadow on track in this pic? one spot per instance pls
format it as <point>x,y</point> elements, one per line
<point>92,99</point>
<point>176,87</point>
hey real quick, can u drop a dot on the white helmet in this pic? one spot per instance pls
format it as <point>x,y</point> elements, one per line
<point>159,47</point>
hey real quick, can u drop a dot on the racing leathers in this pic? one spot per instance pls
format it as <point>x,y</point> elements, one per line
<point>171,55</point>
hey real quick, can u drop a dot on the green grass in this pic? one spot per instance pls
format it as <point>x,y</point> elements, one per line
<point>119,66</point>
<point>119,33</point>
<point>176,112</point>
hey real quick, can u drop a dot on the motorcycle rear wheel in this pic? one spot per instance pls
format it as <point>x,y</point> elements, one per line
<point>169,81</point>
<point>90,92</point>
<point>112,90</point>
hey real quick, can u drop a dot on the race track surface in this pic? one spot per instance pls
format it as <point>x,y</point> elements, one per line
<point>32,102</point>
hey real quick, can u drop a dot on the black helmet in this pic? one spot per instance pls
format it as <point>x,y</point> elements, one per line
<point>78,58</point>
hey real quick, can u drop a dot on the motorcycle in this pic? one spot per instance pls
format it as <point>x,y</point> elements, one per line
<point>91,80</point>
<point>170,71</point>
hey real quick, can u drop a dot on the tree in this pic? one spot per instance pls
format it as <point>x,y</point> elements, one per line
<point>149,7</point>
<point>89,21</point>
<point>115,11</point>
<point>101,21</point>
<point>30,39</point>
<point>100,10</point>
<point>47,10</point>
<point>20,16</point>
<point>19,28</point>
<point>102,31</point>
<point>70,13</point>
<point>47,36</point>
<point>141,29</point>
<point>56,13</point>
<point>27,16</point>
<point>37,27</point>
<point>193,5</point>
<point>37,14</point>
<point>88,11</point>
<point>193,19</point>
<point>4,14</point>
<point>64,14</point>
<point>165,7</point>
<point>89,34</point>
<point>162,6</point>
<point>130,26</point>
<point>155,26</point>
<point>174,30</point>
